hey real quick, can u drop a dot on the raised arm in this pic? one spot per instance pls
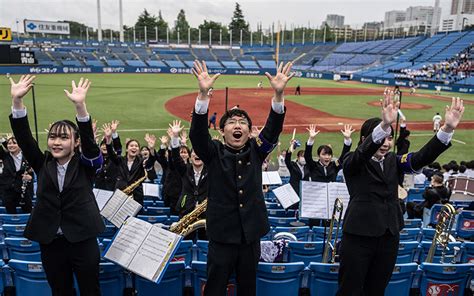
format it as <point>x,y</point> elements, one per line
<point>199,133</point>
<point>161,154</point>
<point>20,125</point>
<point>116,143</point>
<point>174,130</point>
<point>289,152</point>
<point>112,155</point>
<point>347,133</point>
<point>308,152</point>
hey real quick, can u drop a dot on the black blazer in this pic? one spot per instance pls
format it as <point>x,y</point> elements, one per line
<point>316,169</point>
<point>374,207</point>
<point>236,211</point>
<point>403,144</point>
<point>190,192</point>
<point>295,172</point>
<point>10,179</point>
<point>74,209</point>
<point>106,176</point>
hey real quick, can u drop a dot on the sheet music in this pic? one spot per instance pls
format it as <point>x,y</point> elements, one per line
<point>314,200</point>
<point>337,190</point>
<point>127,242</point>
<point>151,189</point>
<point>113,204</point>
<point>271,178</point>
<point>286,195</point>
<point>128,209</point>
<point>154,254</point>
<point>102,197</point>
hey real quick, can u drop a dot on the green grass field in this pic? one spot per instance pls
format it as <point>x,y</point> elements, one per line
<point>137,100</point>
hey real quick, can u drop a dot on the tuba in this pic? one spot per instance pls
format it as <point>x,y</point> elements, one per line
<point>190,222</point>
<point>329,254</point>
<point>441,238</point>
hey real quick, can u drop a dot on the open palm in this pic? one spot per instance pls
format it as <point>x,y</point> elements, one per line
<point>283,75</point>
<point>79,92</point>
<point>205,81</point>
<point>20,89</point>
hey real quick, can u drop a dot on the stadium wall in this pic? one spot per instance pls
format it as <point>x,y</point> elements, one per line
<point>155,70</point>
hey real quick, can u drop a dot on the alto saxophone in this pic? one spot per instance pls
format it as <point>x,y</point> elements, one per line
<point>134,185</point>
<point>190,222</point>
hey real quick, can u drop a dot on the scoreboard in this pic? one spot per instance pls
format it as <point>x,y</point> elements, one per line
<point>12,55</point>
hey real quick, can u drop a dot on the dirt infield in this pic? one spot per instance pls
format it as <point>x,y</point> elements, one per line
<point>300,116</point>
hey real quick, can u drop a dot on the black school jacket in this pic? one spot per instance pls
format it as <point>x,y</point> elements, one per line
<point>74,209</point>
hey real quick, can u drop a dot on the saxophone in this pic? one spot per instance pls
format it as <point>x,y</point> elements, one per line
<point>134,185</point>
<point>190,222</point>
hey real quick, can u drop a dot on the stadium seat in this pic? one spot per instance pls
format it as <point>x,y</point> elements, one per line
<point>202,247</point>
<point>281,213</point>
<point>281,221</point>
<point>407,251</point>
<point>401,280</point>
<point>465,225</point>
<point>29,278</point>
<point>319,235</point>
<point>21,248</point>
<point>305,251</point>
<point>172,282</point>
<point>413,223</point>
<point>184,252</point>
<point>468,252</point>
<point>109,231</point>
<point>199,278</point>
<point>435,209</point>
<point>2,283</point>
<point>323,279</point>
<point>410,234</point>
<point>111,279</point>
<point>450,251</point>
<point>279,278</point>
<point>415,194</point>
<point>444,279</point>
<point>157,211</point>
<point>14,230</point>
<point>154,219</point>
<point>14,218</point>
<point>302,232</point>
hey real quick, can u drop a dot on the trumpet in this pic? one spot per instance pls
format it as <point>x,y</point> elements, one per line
<point>446,218</point>
<point>329,254</point>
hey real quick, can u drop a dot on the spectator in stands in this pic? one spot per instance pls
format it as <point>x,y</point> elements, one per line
<point>106,176</point>
<point>431,170</point>
<point>149,157</point>
<point>298,90</point>
<point>298,169</point>
<point>236,213</point>
<point>403,144</point>
<point>462,171</point>
<point>212,120</point>
<point>470,169</point>
<point>283,170</point>
<point>16,177</point>
<point>436,122</point>
<point>66,220</point>
<point>437,193</point>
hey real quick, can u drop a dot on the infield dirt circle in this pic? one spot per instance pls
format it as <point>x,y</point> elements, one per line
<point>256,102</point>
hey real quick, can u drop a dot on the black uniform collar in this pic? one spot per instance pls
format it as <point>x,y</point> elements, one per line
<point>237,151</point>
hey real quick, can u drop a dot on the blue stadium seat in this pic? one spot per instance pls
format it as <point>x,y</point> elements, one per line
<point>407,251</point>
<point>413,223</point>
<point>148,203</point>
<point>401,280</point>
<point>281,221</point>
<point>279,278</point>
<point>410,234</point>
<point>14,218</point>
<point>444,279</point>
<point>29,278</point>
<point>172,219</point>
<point>415,194</point>
<point>111,279</point>
<point>157,211</point>
<point>109,231</point>
<point>21,248</point>
<point>428,234</point>
<point>319,235</point>
<point>184,252</point>
<point>281,213</point>
<point>323,279</point>
<point>154,219</point>
<point>302,232</point>
<point>435,209</point>
<point>2,278</point>
<point>14,230</point>
<point>202,247</point>
<point>468,252</point>
<point>450,250</point>
<point>273,205</point>
<point>172,282</point>
<point>199,269</point>
<point>465,225</point>
<point>305,251</point>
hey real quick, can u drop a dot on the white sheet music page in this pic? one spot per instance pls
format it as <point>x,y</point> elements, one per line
<point>129,208</point>
<point>102,197</point>
<point>127,242</point>
<point>114,204</point>
<point>338,190</point>
<point>153,256</point>
<point>314,200</point>
<point>286,195</point>
<point>150,189</point>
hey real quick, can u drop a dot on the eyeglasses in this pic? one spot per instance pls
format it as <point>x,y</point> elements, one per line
<point>235,121</point>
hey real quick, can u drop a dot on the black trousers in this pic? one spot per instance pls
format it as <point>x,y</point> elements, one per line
<point>61,259</point>
<point>11,199</point>
<point>366,264</point>
<point>224,259</point>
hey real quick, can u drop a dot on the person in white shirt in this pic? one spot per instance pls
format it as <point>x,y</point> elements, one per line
<point>437,122</point>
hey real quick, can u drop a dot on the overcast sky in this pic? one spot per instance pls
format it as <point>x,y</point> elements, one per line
<point>299,12</point>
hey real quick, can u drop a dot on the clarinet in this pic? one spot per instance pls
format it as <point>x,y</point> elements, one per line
<point>24,185</point>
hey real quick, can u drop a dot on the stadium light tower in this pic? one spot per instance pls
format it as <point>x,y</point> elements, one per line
<point>121,21</point>
<point>99,23</point>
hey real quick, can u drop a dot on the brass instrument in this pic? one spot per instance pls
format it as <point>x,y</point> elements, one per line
<point>190,222</point>
<point>446,219</point>
<point>134,185</point>
<point>330,246</point>
<point>24,184</point>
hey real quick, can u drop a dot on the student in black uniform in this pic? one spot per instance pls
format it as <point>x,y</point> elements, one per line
<point>373,218</point>
<point>325,169</point>
<point>298,169</point>
<point>17,176</point>
<point>131,166</point>
<point>106,176</point>
<point>66,219</point>
<point>236,215</point>
<point>403,144</point>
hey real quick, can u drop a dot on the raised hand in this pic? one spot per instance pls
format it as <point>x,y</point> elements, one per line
<point>389,108</point>
<point>20,89</point>
<point>107,132</point>
<point>292,145</point>
<point>312,131</point>
<point>164,140</point>
<point>169,131</point>
<point>279,81</point>
<point>79,92</point>
<point>347,131</point>
<point>205,81</point>
<point>453,115</point>
<point>255,131</point>
<point>150,140</point>
<point>114,125</point>
<point>183,138</point>
<point>176,128</point>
